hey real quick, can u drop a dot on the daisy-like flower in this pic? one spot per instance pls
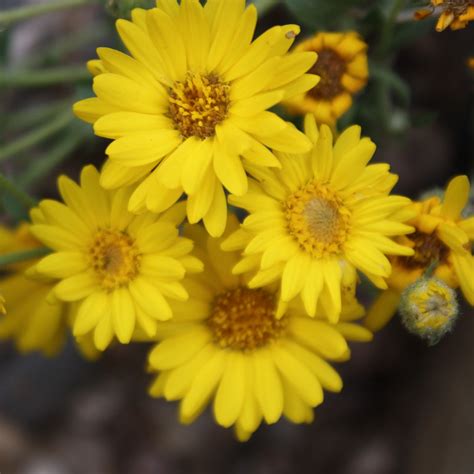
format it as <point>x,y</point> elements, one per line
<point>226,345</point>
<point>120,269</point>
<point>322,216</point>
<point>443,238</point>
<point>343,71</point>
<point>36,320</point>
<point>188,109</point>
<point>455,14</point>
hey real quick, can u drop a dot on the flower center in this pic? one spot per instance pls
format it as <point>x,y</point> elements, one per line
<point>115,258</point>
<point>244,319</point>
<point>318,220</point>
<point>330,67</point>
<point>457,7</point>
<point>428,249</point>
<point>199,104</point>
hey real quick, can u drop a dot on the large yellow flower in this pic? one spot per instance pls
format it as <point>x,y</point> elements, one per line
<point>226,345</point>
<point>443,239</point>
<point>121,269</point>
<point>188,109</point>
<point>318,219</point>
<point>35,320</point>
<point>343,71</point>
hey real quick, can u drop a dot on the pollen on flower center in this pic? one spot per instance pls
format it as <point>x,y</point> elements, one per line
<point>318,220</point>
<point>198,104</point>
<point>330,67</point>
<point>244,319</point>
<point>114,257</point>
<point>428,249</point>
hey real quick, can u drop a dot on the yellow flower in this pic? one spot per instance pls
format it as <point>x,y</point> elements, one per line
<point>455,14</point>
<point>342,67</point>
<point>429,309</point>
<point>188,109</point>
<point>121,269</point>
<point>325,215</point>
<point>443,238</point>
<point>36,320</point>
<point>226,346</point>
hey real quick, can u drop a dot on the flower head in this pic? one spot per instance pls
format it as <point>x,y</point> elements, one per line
<point>325,215</point>
<point>455,14</point>
<point>429,309</point>
<point>36,320</point>
<point>120,269</point>
<point>226,345</point>
<point>188,109</point>
<point>343,71</point>
<point>443,238</point>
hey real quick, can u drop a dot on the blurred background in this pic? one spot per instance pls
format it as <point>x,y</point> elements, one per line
<point>405,407</point>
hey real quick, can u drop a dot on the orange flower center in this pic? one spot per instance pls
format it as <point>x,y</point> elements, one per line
<point>198,104</point>
<point>115,258</point>
<point>318,219</point>
<point>244,319</point>
<point>428,249</point>
<point>330,67</point>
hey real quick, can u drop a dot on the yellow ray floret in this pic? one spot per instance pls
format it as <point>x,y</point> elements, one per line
<point>120,269</point>
<point>343,70</point>
<point>443,239</point>
<point>323,216</point>
<point>35,320</point>
<point>187,110</point>
<point>225,346</point>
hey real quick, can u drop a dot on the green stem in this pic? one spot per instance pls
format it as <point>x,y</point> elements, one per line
<point>9,17</point>
<point>23,256</point>
<point>45,77</point>
<point>36,136</point>
<point>389,26</point>
<point>44,164</point>
<point>9,188</point>
<point>34,115</point>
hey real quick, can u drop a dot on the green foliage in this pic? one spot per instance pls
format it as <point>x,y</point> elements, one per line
<point>123,8</point>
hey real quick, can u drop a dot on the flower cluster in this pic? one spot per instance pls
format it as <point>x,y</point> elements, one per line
<point>246,316</point>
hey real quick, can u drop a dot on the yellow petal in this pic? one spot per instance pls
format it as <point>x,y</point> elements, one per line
<point>456,197</point>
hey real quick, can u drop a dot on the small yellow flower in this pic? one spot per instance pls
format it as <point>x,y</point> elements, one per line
<point>225,345</point>
<point>320,218</point>
<point>429,309</point>
<point>121,269</point>
<point>443,238</point>
<point>343,71</point>
<point>36,320</point>
<point>455,14</point>
<point>188,110</point>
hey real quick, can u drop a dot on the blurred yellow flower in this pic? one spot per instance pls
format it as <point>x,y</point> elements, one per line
<point>443,238</point>
<point>455,14</point>
<point>320,218</point>
<point>121,269</point>
<point>188,109</point>
<point>343,71</point>
<point>226,345</point>
<point>36,320</point>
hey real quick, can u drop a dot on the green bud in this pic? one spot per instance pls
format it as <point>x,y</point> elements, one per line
<point>123,8</point>
<point>429,309</point>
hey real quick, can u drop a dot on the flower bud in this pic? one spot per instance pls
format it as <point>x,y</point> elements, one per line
<point>429,309</point>
<point>123,8</point>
